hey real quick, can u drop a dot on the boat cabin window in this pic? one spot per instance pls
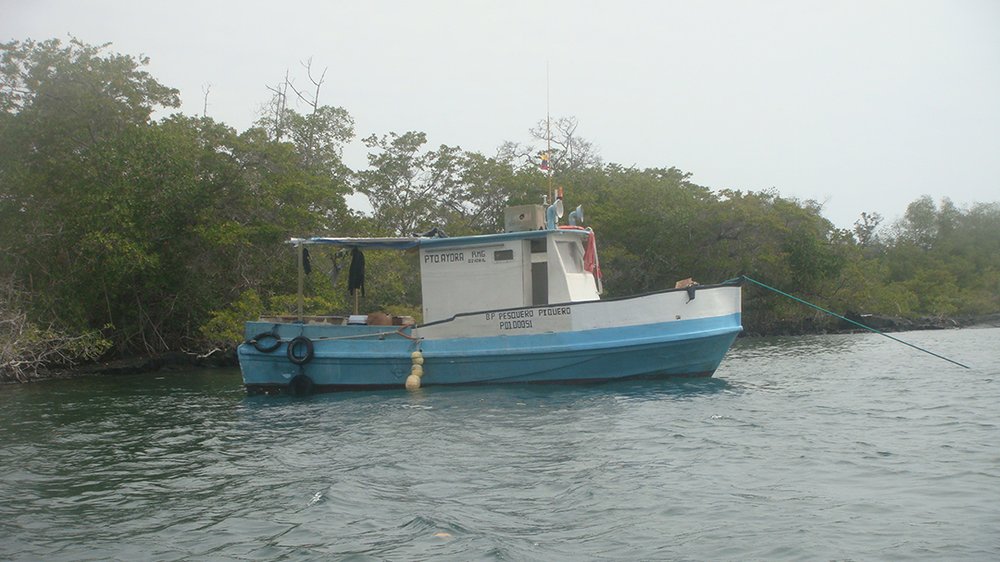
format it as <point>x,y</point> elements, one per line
<point>503,255</point>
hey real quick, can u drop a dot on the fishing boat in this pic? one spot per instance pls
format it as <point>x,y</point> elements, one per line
<point>521,306</point>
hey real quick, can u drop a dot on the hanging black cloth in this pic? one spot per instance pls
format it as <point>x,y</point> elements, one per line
<point>307,267</point>
<point>356,275</point>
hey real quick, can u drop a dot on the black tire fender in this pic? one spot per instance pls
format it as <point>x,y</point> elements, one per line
<point>300,385</point>
<point>256,342</point>
<point>294,345</point>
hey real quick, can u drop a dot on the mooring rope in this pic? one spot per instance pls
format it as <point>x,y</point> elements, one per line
<point>834,314</point>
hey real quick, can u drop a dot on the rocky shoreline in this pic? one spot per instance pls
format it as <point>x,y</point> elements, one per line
<point>171,361</point>
<point>893,324</point>
<point>226,357</point>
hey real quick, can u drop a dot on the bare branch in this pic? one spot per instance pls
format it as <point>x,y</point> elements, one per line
<point>205,89</point>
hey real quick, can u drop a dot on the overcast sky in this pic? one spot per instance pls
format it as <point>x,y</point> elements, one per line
<point>859,105</point>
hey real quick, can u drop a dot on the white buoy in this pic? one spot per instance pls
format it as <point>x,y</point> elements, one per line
<point>416,371</point>
<point>413,382</point>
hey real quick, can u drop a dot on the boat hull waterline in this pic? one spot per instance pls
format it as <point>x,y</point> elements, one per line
<point>671,333</point>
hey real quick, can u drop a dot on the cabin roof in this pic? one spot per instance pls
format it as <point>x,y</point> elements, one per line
<point>405,243</point>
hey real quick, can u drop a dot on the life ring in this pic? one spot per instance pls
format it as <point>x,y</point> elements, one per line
<point>294,344</point>
<point>255,342</point>
<point>300,385</point>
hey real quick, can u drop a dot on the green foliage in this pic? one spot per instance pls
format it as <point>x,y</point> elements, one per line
<point>28,349</point>
<point>150,235</point>
<point>225,326</point>
<point>312,305</point>
<point>656,227</point>
<point>113,219</point>
<point>947,258</point>
<point>407,186</point>
<point>412,189</point>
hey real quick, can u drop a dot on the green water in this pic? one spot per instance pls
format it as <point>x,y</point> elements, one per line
<point>834,447</point>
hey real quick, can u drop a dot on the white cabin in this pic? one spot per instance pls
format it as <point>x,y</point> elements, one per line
<point>528,268</point>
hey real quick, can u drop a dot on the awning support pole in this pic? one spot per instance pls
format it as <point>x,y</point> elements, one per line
<point>302,277</point>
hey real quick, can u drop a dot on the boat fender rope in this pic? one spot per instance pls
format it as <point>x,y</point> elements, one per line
<point>400,332</point>
<point>256,342</point>
<point>293,346</point>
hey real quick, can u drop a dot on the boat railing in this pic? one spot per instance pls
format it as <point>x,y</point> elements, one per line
<point>373,319</point>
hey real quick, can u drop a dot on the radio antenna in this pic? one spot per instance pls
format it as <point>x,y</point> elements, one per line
<point>548,134</point>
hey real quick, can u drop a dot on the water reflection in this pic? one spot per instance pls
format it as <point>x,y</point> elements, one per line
<point>514,395</point>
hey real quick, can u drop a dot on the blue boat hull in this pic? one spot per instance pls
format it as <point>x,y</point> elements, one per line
<point>363,357</point>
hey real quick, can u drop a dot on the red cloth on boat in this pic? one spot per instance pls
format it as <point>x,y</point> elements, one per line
<point>590,262</point>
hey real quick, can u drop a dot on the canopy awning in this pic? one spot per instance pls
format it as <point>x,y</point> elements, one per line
<point>363,243</point>
<point>405,243</point>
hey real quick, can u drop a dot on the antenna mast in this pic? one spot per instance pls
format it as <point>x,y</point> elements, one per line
<point>548,133</point>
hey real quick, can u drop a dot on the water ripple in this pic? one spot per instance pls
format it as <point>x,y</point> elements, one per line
<point>837,447</point>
